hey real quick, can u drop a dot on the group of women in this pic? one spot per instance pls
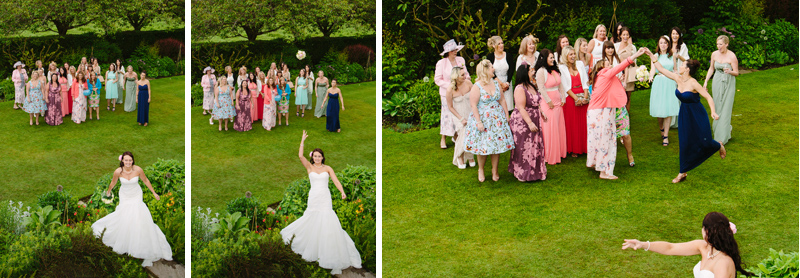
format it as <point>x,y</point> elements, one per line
<point>265,96</point>
<point>70,90</point>
<point>575,100</point>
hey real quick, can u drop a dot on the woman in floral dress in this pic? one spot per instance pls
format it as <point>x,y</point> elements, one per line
<point>271,98</point>
<point>243,98</point>
<point>34,103</point>
<point>284,94</point>
<point>223,104</point>
<point>527,158</point>
<point>54,116</point>
<point>94,97</point>
<point>488,133</point>
<point>78,99</point>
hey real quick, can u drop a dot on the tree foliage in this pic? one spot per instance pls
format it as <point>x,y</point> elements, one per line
<point>243,18</point>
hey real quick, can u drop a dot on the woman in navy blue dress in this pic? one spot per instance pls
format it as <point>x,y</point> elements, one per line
<point>143,100</point>
<point>334,94</point>
<point>694,131</point>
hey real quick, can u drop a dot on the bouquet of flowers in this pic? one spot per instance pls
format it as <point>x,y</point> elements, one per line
<point>108,199</point>
<point>300,55</point>
<point>642,76</point>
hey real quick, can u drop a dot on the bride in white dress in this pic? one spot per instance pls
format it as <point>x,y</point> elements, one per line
<point>130,228</point>
<point>318,234</point>
<point>719,253</point>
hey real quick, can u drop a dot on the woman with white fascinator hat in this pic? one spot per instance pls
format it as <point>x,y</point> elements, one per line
<point>20,77</point>
<point>442,78</point>
<point>208,89</point>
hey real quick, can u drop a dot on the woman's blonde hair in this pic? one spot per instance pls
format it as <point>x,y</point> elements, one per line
<point>523,47</point>
<point>724,39</point>
<point>564,53</point>
<point>493,41</point>
<point>454,74</point>
<point>597,29</point>
<point>482,71</point>
<point>577,49</point>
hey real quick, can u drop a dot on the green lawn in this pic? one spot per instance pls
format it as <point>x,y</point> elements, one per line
<point>226,164</point>
<point>37,158</point>
<point>439,221</point>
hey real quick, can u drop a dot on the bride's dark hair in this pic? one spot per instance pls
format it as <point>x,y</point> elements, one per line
<point>720,236</point>
<point>133,162</point>
<point>317,150</point>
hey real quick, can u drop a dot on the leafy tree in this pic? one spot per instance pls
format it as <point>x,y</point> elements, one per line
<point>140,13</point>
<point>47,15</point>
<point>242,18</point>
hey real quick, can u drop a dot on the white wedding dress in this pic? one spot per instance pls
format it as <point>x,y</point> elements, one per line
<point>702,273</point>
<point>318,234</point>
<point>130,228</point>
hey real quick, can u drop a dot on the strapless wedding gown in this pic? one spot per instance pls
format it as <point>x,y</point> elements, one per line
<point>318,234</point>
<point>702,273</point>
<point>130,228</point>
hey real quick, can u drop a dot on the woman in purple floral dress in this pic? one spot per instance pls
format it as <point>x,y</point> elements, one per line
<point>487,127</point>
<point>54,116</point>
<point>243,118</point>
<point>527,158</point>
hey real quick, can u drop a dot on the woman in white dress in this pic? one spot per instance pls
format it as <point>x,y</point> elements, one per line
<point>596,44</point>
<point>718,250</point>
<point>527,51</point>
<point>130,228</point>
<point>318,234</point>
<point>503,71</point>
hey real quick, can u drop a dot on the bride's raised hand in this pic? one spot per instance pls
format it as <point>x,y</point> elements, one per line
<point>344,196</point>
<point>305,135</point>
<point>632,243</point>
<point>158,198</point>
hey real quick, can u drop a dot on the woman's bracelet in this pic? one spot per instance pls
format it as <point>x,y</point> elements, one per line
<point>648,246</point>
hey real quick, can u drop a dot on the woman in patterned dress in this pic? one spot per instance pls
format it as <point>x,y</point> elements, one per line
<point>271,98</point>
<point>527,158</point>
<point>284,95</point>
<point>20,77</point>
<point>488,133</point>
<point>78,99</point>
<point>34,103</point>
<point>208,82</point>
<point>54,116</point>
<point>94,97</point>
<point>243,98</point>
<point>607,95</point>
<point>442,79</point>
<point>223,104</point>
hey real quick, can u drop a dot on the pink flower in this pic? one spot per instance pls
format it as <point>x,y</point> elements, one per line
<point>733,227</point>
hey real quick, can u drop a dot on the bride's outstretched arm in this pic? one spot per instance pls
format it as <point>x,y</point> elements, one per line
<point>336,182</point>
<point>113,181</point>
<point>147,183</point>
<point>300,154</point>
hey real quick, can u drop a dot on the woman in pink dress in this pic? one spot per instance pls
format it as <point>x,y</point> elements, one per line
<point>442,78</point>
<point>254,93</point>
<point>262,80</point>
<point>20,78</point>
<point>269,91</point>
<point>607,96</point>
<point>66,101</point>
<point>553,94</point>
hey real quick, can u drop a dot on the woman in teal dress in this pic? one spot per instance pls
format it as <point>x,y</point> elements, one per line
<point>488,133</point>
<point>663,102</point>
<point>301,93</point>
<point>34,103</point>
<point>724,67</point>
<point>130,89</point>
<point>111,87</point>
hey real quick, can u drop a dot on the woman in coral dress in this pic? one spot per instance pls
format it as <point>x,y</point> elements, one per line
<point>553,95</point>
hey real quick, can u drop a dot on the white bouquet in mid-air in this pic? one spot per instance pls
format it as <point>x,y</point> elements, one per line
<point>300,55</point>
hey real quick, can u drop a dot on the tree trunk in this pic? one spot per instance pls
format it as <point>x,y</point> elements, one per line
<point>251,32</point>
<point>62,27</point>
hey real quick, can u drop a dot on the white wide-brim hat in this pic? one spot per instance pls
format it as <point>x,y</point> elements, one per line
<point>450,46</point>
<point>207,69</point>
<point>19,63</point>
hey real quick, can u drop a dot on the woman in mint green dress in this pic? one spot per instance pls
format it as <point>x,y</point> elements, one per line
<point>111,87</point>
<point>663,102</point>
<point>724,67</point>
<point>130,79</point>
<point>301,94</point>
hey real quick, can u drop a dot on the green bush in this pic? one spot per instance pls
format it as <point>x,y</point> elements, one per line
<point>59,200</point>
<point>63,253</point>
<point>400,106</point>
<point>197,95</point>
<point>253,209</point>
<point>398,71</point>
<point>11,217</point>
<point>427,102</point>
<point>7,92</point>
<point>781,36</point>
<point>777,265</point>
<point>252,255</point>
